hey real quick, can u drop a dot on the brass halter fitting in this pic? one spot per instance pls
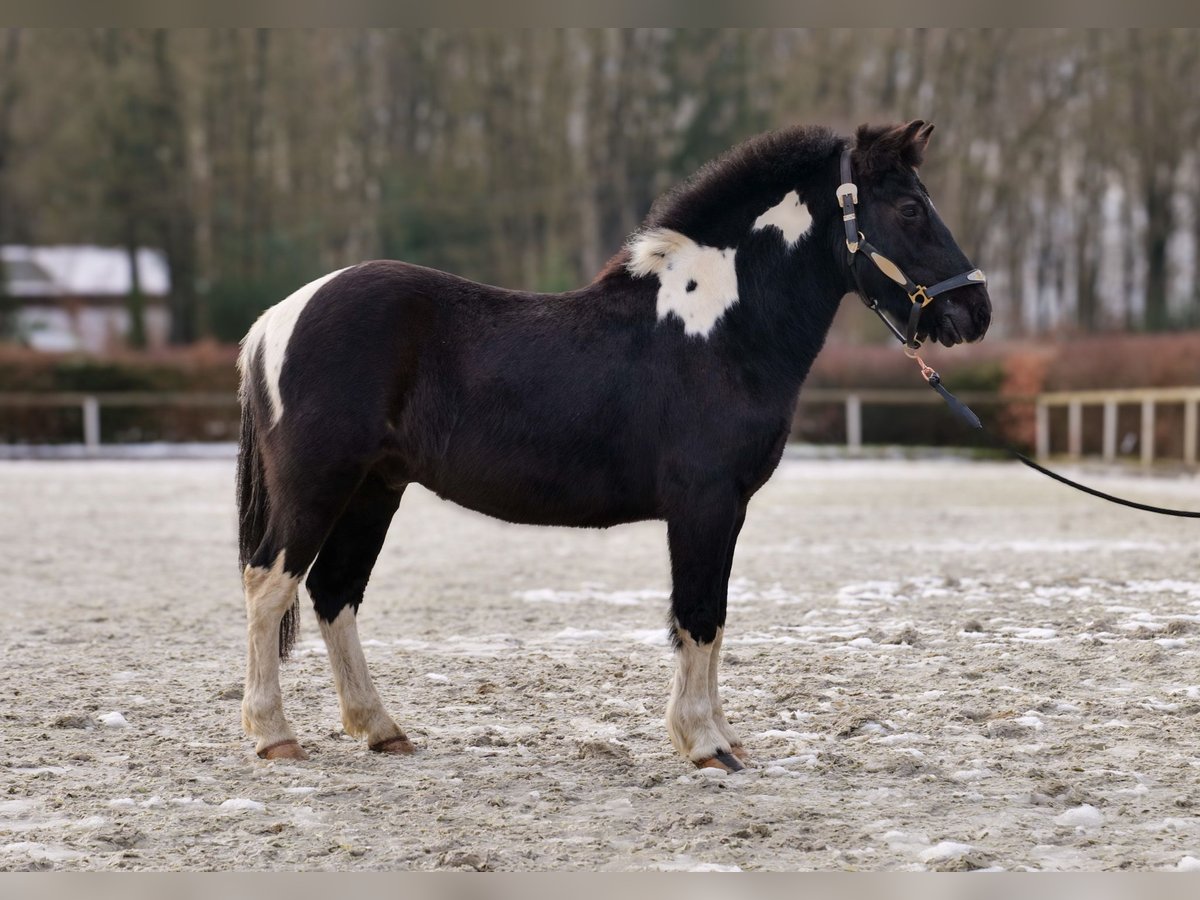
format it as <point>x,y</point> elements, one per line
<point>919,294</point>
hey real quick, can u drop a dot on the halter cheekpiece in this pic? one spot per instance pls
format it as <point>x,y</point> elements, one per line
<point>857,245</point>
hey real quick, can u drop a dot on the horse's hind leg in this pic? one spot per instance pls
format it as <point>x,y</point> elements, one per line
<point>301,513</point>
<point>270,593</point>
<point>336,584</point>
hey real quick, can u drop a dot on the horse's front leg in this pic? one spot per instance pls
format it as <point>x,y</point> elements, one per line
<point>714,666</point>
<point>701,540</point>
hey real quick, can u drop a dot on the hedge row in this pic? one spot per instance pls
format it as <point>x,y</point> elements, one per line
<point>1008,369</point>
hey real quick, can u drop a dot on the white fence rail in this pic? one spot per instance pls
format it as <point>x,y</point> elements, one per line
<point>1148,399</point>
<point>90,405</point>
<point>853,401</point>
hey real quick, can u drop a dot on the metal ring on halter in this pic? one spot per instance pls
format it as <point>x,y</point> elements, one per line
<point>920,293</point>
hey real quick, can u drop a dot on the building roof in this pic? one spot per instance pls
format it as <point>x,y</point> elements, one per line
<point>81,271</point>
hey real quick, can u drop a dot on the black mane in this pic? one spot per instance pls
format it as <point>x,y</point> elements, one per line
<point>753,176</point>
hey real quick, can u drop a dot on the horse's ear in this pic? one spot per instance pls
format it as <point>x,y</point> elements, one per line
<point>914,150</point>
<point>877,148</point>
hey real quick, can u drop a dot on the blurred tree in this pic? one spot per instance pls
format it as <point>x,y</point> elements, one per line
<point>258,159</point>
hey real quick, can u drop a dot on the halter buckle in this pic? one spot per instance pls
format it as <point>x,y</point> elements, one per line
<point>920,294</point>
<point>847,189</point>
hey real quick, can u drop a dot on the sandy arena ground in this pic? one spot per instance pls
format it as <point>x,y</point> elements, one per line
<point>936,665</point>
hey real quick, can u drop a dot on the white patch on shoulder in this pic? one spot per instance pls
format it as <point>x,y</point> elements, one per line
<point>272,332</point>
<point>696,283</point>
<point>789,215</point>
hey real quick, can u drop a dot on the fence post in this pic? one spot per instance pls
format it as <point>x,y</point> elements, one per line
<point>91,423</point>
<point>1110,431</point>
<point>1075,429</point>
<point>853,423</point>
<point>1042,429</point>
<point>1147,432</point>
<point>1189,432</point>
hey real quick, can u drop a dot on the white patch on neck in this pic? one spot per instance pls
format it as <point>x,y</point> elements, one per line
<point>696,283</point>
<point>272,332</point>
<point>789,215</point>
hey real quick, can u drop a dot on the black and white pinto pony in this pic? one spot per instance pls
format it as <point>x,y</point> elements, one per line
<point>665,389</point>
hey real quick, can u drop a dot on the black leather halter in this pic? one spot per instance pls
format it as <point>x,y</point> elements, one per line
<point>857,245</point>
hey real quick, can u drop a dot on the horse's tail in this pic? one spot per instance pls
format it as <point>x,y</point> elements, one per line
<point>252,496</point>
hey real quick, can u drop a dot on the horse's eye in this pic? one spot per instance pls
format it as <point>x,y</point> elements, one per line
<point>910,210</point>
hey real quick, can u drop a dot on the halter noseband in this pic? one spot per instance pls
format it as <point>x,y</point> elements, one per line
<point>921,296</point>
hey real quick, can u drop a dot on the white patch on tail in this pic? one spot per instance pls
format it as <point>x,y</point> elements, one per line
<point>363,713</point>
<point>696,283</point>
<point>272,332</point>
<point>790,216</point>
<point>690,720</point>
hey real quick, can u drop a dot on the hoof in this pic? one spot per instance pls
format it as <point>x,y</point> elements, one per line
<point>722,760</point>
<point>740,752</point>
<point>401,746</point>
<point>283,750</point>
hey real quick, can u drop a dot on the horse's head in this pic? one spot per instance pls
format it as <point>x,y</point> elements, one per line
<point>896,216</point>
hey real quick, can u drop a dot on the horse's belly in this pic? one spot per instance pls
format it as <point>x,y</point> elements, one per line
<point>548,494</point>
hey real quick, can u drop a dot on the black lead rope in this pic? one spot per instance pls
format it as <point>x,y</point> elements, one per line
<point>965,413</point>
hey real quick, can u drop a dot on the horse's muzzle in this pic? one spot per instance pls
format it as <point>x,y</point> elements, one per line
<point>961,316</point>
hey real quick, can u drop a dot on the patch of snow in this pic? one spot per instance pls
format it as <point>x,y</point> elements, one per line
<point>971,775</point>
<point>904,738</point>
<point>438,677</point>
<point>10,808</point>
<point>1164,586</point>
<point>945,850</point>
<point>582,634</point>
<point>90,822</point>
<point>241,803</point>
<point>1085,816</point>
<point>896,838</point>
<point>655,637</point>
<point>1188,864</point>
<point>113,720</point>
<point>779,772</point>
<point>41,770</point>
<point>685,863</point>
<point>1136,791</point>
<point>42,851</point>
<point>1031,634</point>
<point>593,594</point>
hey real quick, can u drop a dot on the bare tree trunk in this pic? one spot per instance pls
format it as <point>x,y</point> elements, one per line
<point>10,86</point>
<point>178,222</point>
<point>136,301</point>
